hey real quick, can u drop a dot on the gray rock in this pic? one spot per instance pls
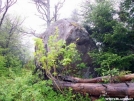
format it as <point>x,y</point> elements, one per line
<point>70,31</point>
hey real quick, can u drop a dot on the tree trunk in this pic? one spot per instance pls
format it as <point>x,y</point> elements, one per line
<point>95,89</point>
<point>48,14</point>
<point>122,78</point>
<point>121,90</point>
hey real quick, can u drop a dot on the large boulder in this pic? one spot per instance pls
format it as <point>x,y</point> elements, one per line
<point>70,31</point>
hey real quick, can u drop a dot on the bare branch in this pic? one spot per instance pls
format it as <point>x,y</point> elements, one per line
<point>58,6</point>
<point>4,9</point>
<point>43,7</point>
<point>31,33</point>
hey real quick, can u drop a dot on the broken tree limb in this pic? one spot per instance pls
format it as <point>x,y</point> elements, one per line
<point>122,78</point>
<point>109,90</point>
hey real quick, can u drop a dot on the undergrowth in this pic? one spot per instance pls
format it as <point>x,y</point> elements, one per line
<point>21,85</point>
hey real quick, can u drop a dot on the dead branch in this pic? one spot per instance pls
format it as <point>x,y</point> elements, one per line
<point>4,9</point>
<point>43,7</point>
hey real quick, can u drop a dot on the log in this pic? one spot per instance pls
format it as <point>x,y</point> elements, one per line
<point>120,90</point>
<point>122,78</point>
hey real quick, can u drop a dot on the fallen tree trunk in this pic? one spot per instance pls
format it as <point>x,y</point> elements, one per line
<point>122,78</point>
<point>109,90</point>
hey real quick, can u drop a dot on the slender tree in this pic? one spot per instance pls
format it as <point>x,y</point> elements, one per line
<point>12,48</point>
<point>75,15</point>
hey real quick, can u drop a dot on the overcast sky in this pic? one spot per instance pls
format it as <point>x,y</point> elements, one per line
<point>26,9</point>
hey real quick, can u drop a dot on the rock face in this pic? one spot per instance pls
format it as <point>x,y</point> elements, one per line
<point>70,31</point>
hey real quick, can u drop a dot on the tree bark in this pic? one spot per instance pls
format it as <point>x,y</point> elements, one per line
<point>122,78</point>
<point>95,89</point>
<point>121,90</point>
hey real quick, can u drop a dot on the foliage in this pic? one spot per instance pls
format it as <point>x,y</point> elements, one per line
<point>2,62</point>
<point>12,50</point>
<point>126,13</point>
<point>115,35</point>
<point>111,64</point>
<point>100,18</point>
<point>24,86</point>
<point>81,65</point>
<point>58,54</point>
